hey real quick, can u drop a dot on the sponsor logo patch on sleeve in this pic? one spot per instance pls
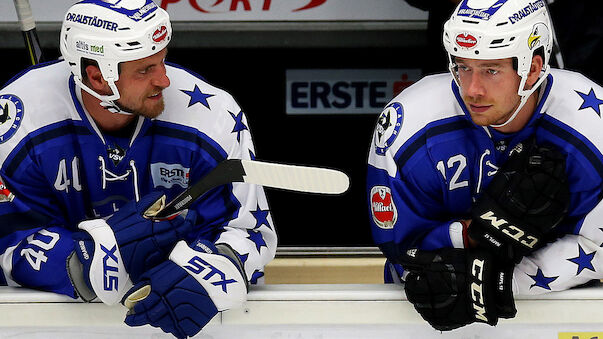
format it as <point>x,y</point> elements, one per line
<point>5,194</point>
<point>383,209</point>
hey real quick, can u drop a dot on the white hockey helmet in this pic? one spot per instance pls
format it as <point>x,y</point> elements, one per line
<point>110,32</point>
<point>499,29</point>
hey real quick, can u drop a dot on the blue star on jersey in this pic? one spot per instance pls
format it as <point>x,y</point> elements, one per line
<point>261,217</point>
<point>197,97</point>
<point>540,280</point>
<point>257,238</point>
<point>239,124</point>
<point>243,258</point>
<point>257,274</point>
<point>590,100</point>
<point>583,260</point>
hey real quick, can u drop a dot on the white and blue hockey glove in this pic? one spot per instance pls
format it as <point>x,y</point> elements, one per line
<point>183,294</point>
<point>115,253</point>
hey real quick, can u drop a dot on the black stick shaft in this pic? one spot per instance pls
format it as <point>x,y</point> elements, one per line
<point>28,27</point>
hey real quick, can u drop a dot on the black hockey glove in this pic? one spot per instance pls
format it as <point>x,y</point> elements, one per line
<point>451,288</point>
<point>528,197</point>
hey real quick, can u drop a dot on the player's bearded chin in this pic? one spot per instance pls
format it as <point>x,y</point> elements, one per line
<point>145,107</point>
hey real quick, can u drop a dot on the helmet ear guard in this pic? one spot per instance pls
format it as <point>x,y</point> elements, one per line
<point>500,29</point>
<point>110,32</point>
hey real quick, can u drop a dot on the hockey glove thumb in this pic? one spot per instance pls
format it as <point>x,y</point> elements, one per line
<point>183,294</point>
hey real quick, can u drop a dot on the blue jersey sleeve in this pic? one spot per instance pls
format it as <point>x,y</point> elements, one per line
<point>37,259</point>
<point>407,211</point>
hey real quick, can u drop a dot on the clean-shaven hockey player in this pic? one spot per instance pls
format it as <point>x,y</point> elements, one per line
<point>92,143</point>
<point>487,181</point>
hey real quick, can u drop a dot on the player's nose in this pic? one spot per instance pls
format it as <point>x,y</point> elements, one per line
<point>474,87</point>
<point>161,79</point>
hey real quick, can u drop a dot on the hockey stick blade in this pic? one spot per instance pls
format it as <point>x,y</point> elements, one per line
<point>288,177</point>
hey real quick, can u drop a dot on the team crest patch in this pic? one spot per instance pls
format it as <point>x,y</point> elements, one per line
<point>11,115</point>
<point>388,127</point>
<point>383,209</point>
<point>5,194</point>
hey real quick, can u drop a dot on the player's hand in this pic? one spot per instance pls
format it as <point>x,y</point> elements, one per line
<point>126,245</point>
<point>527,198</point>
<point>183,294</point>
<point>451,288</point>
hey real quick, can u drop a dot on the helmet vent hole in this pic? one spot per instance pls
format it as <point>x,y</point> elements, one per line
<point>470,21</point>
<point>497,41</point>
<point>149,18</point>
<point>502,23</point>
<point>512,38</point>
<point>133,43</point>
<point>123,28</point>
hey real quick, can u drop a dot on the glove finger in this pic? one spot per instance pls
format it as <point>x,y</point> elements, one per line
<point>187,324</point>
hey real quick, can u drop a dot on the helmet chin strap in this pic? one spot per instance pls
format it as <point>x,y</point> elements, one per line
<point>108,102</point>
<point>525,94</point>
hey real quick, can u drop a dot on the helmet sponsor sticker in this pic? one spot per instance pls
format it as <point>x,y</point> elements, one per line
<point>84,47</point>
<point>479,13</point>
<point>466,40</point>
<point>388,127</point>
<point>11,115</point>
<point>91,21</point>
<point>383,209</point>
<point>133,9</point>
<point>160,34</point>
<point>532,7</point>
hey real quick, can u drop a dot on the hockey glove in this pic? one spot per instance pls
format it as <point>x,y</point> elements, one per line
<point>183,294</point>
<point>114,252</point>
<point>528,197</point>
<point>451,288</point>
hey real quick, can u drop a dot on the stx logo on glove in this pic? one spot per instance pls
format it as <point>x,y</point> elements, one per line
<point>198,265</point>
<point>510,230</point>
<point>110,280</point>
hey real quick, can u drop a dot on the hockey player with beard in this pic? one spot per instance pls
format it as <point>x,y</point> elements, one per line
<point>487,182</point>
<point>89,145</point>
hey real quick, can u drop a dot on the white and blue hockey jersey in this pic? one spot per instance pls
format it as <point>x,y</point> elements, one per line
<point>59,169</point>
<point>428,162</point>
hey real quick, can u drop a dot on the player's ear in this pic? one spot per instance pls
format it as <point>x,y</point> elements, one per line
<point>535,68</point>
<point>95,79</point>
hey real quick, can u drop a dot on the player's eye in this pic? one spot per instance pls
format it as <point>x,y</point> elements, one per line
<point>145,70</point>
<point>463,68</point>
<point>492,71</point>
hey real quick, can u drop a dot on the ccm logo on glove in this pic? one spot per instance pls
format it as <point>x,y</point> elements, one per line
<point>198,265</point>
<point>510,230</point>
<point>477,268</point>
